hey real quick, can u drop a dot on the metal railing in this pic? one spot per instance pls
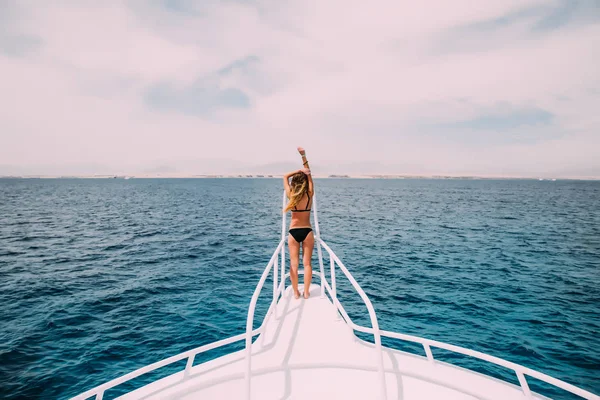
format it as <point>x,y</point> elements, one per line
<point>98,391</point>
<point>427,344</point>
<point>279,288</point>
<point>278,257</point>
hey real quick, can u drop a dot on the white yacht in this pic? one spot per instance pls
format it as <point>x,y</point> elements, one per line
<point>307,349</point>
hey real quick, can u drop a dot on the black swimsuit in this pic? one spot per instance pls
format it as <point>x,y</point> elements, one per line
<point>299,234</point>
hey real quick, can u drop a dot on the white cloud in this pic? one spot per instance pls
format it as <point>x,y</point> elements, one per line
<point>351,81</point>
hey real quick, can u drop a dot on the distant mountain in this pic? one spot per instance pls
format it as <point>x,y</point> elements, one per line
<point>590,173</point>
<point>58,169</point>
<point>277,168</point>
<point>161,169</point>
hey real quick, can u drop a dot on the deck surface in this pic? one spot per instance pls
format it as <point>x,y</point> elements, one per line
<point>308,353</point>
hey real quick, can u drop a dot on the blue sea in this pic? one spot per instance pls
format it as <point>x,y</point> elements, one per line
<point>100,277</point>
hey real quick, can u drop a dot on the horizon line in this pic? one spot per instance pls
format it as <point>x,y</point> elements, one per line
<point>279,176</point>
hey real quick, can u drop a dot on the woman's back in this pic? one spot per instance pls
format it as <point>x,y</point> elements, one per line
<point>301,212</point>
<point>303,204</point>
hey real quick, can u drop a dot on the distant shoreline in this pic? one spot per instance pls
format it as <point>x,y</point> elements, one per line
<point>275,176</point>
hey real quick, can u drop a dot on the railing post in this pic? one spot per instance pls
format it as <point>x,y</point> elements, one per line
<point>283,269</point>
<point>523,383</point>
<point>428,352</point>
<point>283,217</point>
<point>100,395</point>
<point>319,251</point>
<point>333,287</point>
<point>275,282</point>
<point>188,366</point>
<point>248,371</point>
<point>380,369</point>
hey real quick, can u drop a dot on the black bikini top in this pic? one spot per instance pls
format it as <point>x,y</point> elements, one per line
<point>307,204</point>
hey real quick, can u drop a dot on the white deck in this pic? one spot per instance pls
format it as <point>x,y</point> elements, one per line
<point>307,353</point>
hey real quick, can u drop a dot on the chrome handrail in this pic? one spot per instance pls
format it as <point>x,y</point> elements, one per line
<point>519,370</point>
<point>98,391</point>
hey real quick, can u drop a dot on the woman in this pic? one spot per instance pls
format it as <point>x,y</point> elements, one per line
<point>300,192</point>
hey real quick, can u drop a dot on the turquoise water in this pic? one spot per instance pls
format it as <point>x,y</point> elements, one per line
<point>100,277</point>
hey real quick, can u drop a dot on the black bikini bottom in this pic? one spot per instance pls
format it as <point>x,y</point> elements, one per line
<point>300,233</point>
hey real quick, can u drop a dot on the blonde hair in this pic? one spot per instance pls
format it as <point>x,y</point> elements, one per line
<point>298,187</point>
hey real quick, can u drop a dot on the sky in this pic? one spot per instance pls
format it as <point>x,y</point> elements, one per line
<point>491,88</point>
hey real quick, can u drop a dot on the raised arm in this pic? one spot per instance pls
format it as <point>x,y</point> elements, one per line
<point>306,170</point>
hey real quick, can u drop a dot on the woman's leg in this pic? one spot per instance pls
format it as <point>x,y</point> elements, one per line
<point>294,261</point>
<point>307,250</point>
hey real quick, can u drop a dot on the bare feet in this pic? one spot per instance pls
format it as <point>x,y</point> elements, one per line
<point>306,295</point>
<point>296,294</point>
